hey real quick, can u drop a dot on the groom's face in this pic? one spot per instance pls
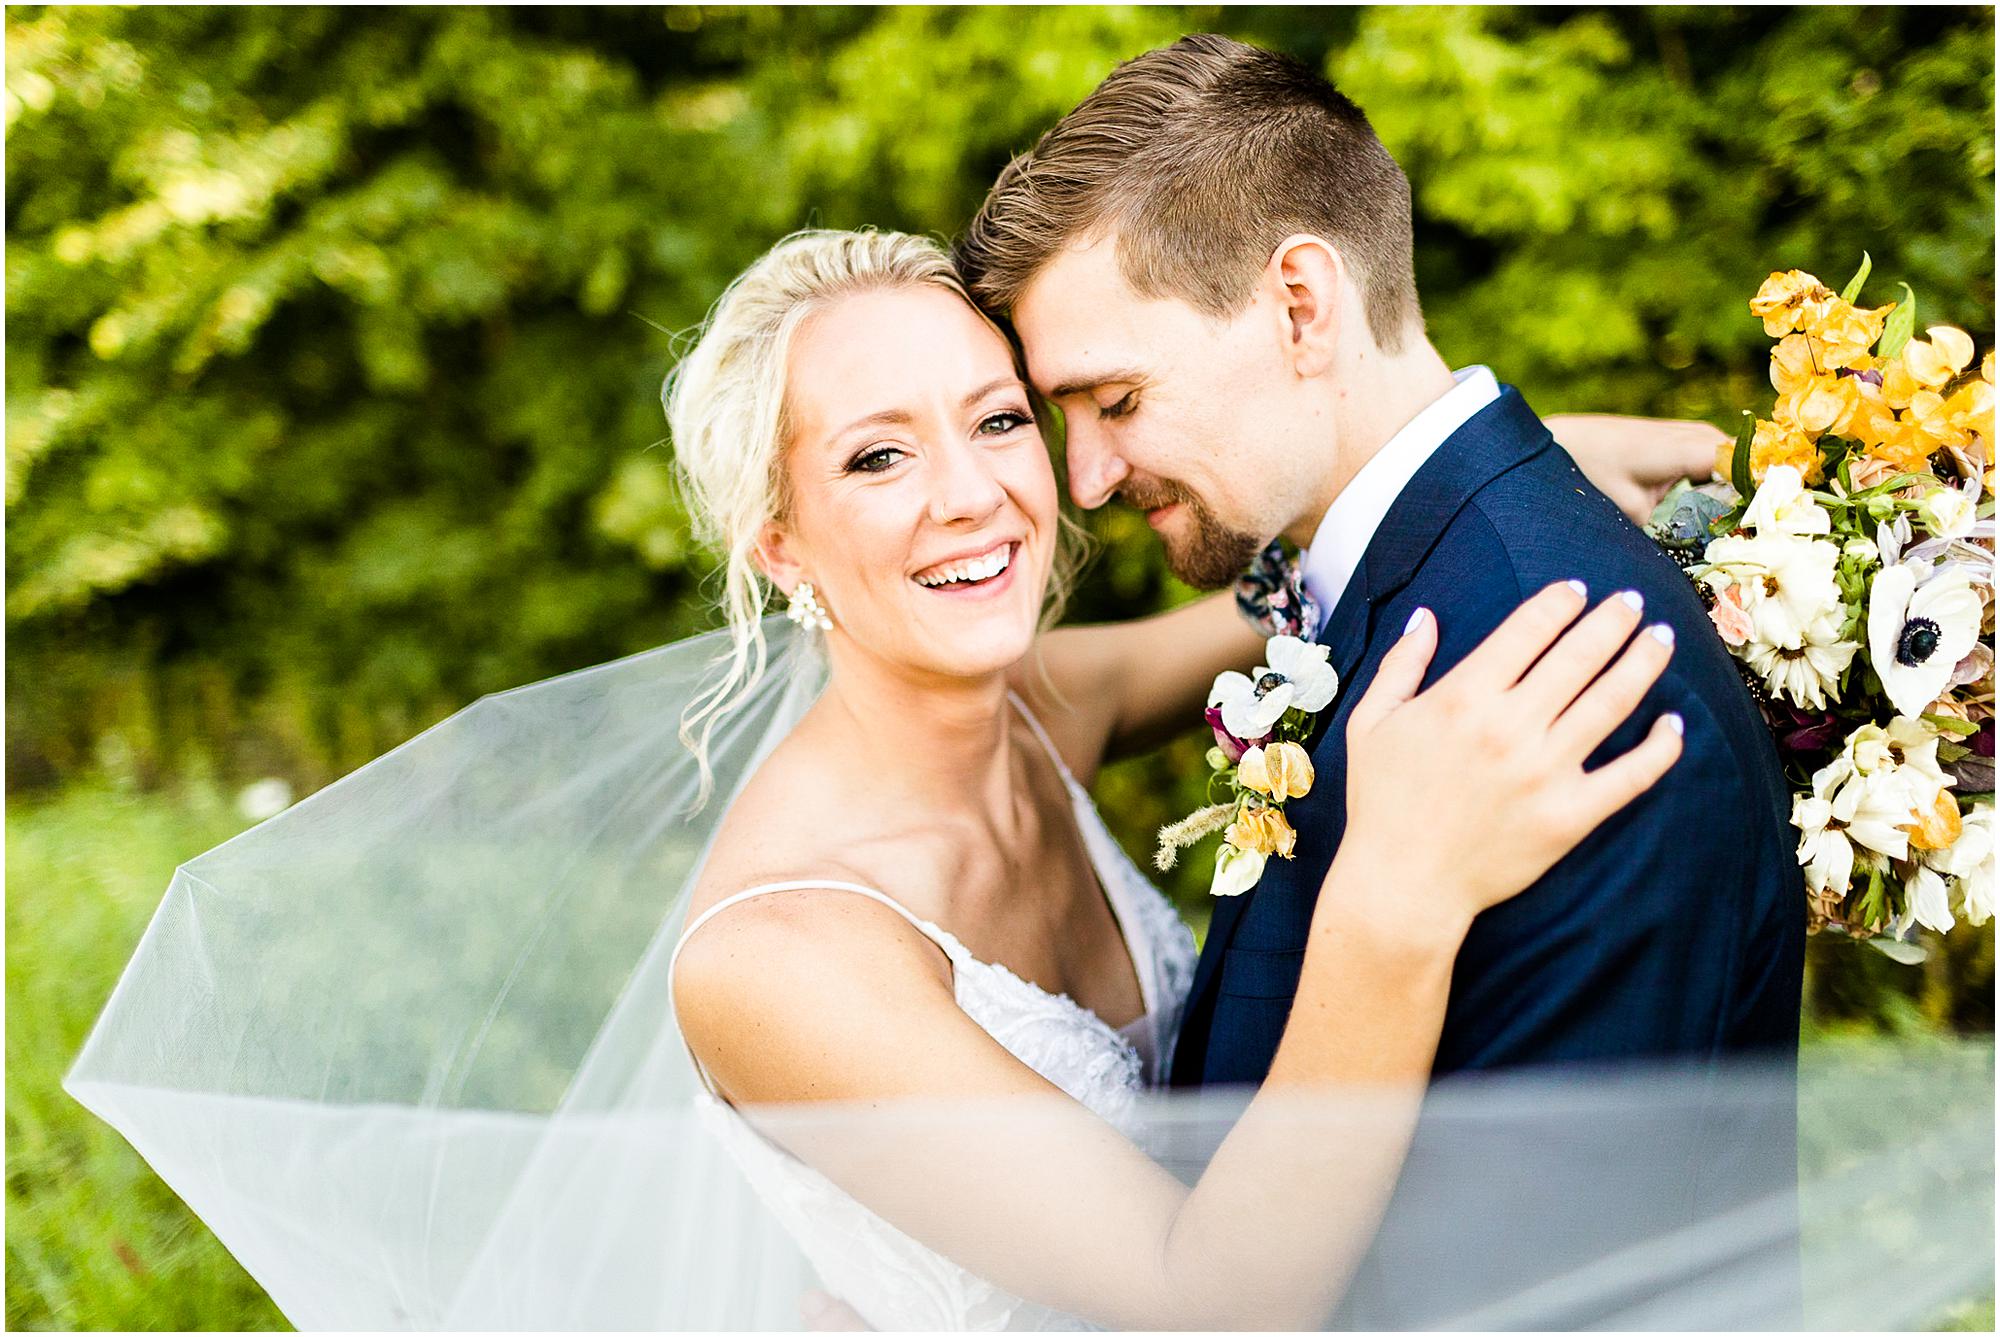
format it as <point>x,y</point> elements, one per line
<point>1182,415</point>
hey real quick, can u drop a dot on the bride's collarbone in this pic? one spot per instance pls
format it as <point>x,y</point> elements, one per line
<point>1037,910</point>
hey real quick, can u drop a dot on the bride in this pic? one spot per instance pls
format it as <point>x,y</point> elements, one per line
<point>913,898</point>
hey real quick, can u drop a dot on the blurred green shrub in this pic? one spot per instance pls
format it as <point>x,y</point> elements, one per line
<point>335,335</point>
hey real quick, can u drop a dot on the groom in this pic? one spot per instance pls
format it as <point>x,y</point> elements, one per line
<point>1208,263</point>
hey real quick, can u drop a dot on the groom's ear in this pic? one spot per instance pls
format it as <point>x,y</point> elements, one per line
<point>1308,277</point>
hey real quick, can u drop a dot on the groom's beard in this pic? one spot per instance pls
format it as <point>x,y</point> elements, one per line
<point>1210,557</point>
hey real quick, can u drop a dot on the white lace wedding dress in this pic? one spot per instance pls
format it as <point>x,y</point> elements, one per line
<point>890,1279</point>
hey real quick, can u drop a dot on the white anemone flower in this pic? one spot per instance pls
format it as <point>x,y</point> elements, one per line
<point>1295,673</point>
<point>1808,674</point>
<point>1787,582</point>
<point>1783,506</point>
<point>1917,634</point>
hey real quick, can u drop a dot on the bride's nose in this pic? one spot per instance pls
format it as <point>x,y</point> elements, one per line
<point>963,486</point>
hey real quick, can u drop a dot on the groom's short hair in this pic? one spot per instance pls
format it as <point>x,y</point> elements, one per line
<point>1201,157</point>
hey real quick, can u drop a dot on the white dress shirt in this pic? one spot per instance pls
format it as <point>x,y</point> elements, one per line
<point>1350,523</point>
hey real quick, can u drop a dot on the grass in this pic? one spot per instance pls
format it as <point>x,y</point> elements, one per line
<point>94,1239</point>
<point>96,1242</point>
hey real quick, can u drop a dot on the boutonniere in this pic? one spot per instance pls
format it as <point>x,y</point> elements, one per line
<point>1257,762</point>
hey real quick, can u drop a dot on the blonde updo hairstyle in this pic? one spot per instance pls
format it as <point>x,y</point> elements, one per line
<point>726,411</point>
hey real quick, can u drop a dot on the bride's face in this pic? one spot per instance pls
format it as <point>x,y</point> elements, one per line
<point>923,504</point>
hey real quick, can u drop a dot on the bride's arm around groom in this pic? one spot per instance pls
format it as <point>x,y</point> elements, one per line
<point>820,999</point>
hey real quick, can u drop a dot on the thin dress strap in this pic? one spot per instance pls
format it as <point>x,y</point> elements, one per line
<point>953,949</point>
<point>1048,744</point>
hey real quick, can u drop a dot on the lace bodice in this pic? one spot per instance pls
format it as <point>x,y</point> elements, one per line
<point>893,1281</point>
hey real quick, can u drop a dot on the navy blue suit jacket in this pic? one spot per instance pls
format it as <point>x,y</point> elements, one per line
<point>1676,930</point>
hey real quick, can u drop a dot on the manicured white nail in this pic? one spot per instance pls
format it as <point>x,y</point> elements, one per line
<point>1582,590</point>
<point>1633,600</point>
<point>1662,633</point>
<point>1676,723</point>
<point>1416,620</point>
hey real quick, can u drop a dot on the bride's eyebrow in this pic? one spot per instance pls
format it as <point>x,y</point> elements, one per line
<point>879,418</point>
<point>903,417</point>
<point>1006,382</point>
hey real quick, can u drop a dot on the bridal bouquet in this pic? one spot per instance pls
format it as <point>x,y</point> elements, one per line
<point>1848,565</point>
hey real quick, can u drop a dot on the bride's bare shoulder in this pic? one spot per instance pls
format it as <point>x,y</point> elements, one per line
<point>780,963</point>
<point>771,823</point>
<point>806,815</point>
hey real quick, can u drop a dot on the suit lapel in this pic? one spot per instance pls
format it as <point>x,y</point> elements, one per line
<point>1500,436</point>
<point>1345,634</point>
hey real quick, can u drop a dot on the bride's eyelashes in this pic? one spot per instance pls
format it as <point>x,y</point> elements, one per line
<point>878,459</point>
<point>872,460</point>
<point>1011,420</point>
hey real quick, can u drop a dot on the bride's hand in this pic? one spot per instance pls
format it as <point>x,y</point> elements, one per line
<point>1462,796</point>
<point>1634,461</point>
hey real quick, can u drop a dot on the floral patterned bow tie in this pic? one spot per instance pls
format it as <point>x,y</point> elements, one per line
<point>1272,594</point>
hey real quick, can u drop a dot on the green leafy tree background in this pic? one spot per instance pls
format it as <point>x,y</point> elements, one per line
<point>335,336</point>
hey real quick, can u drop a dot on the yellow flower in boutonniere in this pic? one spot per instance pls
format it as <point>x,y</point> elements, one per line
<point>1262,831</point>
<point>1971,407</point>
<point>1259,721</point>
<point>1282,770</point>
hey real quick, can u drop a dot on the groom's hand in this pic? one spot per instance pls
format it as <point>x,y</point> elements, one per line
<point>1634,461</point>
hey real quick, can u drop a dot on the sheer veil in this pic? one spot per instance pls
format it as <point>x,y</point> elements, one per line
<point>408,1049</point>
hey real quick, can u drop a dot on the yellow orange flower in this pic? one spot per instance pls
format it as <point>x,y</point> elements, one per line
<point>1778,443</point>
<point>1937,829</point>
<point>1788,300</point>
<point>1843,332</point>
<point>1971,408</point>
<point>1903,449</point>
<point>1929,415</point>
<point>1262,831</point>
<point>1898,384</point>
<point>1811,397</point>
<point>1282,770</point>
<point>1793,363</point>
<point>1874,423</point>
<point>1934,361</point>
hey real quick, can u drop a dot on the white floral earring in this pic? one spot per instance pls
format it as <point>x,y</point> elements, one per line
<point>806,609</point>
